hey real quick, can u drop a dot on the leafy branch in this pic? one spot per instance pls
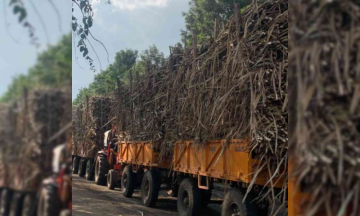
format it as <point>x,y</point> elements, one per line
<point>20,10</point>
<point>82,30</point>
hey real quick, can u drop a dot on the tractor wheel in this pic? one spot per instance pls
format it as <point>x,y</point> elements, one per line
<point>111,179</point>
<point>205,197</point>
<point>232,204</point>
<point>128,182</point>
<point>16,204</point>
<point>150,187</point>
<point>101,169</point>
<point>188,200</point>
<point>49,202</point>
<point>28,205</point>
<point>89,174</point>
<point>5,202</point>
<point>75,166</point>
<point>82,167</point>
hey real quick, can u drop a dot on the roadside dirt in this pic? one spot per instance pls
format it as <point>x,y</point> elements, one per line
<point>93,200</point>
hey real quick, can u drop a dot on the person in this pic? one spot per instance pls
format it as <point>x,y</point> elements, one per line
<point>112,139</point>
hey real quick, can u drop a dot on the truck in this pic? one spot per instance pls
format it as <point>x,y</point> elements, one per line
<point>91,121</point>
<point>189,174</point>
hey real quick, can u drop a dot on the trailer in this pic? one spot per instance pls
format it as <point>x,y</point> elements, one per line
<point>190,173</point>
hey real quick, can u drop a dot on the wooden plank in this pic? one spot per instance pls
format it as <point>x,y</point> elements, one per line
<point>216,28</point>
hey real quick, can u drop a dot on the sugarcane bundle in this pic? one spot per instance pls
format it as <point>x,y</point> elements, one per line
<point>325,77</point>
<point>95,115</point>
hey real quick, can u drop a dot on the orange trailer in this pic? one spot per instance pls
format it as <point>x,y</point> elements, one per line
<point>191,173</point>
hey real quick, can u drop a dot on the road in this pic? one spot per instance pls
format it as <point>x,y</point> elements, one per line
<point>93,200</point>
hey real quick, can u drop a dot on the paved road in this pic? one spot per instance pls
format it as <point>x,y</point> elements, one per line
<point>93,200</point>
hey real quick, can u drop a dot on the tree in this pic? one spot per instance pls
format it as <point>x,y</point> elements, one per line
<point>202,13</point>
<point>125,60</point>
<point>52,69</point>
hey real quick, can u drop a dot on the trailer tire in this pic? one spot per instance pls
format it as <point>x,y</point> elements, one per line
<point>5,202</point>
<point>75,166</point>
<point>205,197</point>
<point>49,202</point>
<point>150,188</point>
<point>188,200</point>
<point>111,179</point>
<point>101,169</point>
<point>16,204</point>
<point>89,175</point>
<point>82,167</point>
<point>128,182</point>
<point>28,205</point>
<point>232,203</point>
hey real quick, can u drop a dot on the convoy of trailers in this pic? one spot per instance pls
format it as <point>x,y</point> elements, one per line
<point>189,174</point>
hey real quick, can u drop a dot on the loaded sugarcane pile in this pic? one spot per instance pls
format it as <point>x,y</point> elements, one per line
<point>31,123</point>
<point>325,40</point>
<point>232,88</point>
<point>92,118</point>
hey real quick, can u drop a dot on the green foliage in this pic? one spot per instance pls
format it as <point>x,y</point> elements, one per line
<point>53,69</point>
<point>202,13</point>
<point>125,60</point>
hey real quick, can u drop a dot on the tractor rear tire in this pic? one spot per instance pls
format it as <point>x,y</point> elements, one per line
<point>28,205</point>
<point>111,179</point>
<point>5,202</point>
<point>150,188</point>
<point>188,200</point>
<point>16,204</point>
<point>205,197</point>
<point>89,175</point>
<point>49,202</point>
<point>232,204</point>
<point>82,167</point>
<point>75,166</point>
<point>128,182</point>
<point>101,169</point>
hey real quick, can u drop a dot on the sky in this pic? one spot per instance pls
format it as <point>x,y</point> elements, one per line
<point>17,55</point>
<point>129,24</point>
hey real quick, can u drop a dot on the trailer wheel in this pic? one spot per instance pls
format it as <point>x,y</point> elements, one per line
<point>188,201</point>
<point>101,169</point>
<point>111,179</point>
<point>150,187</point>
<point>75,166</point>
<point>232,204</point>
<point>82,167</point>
<point>5,201</point>
<point>28,205</point>
<point>16,204</point>
<point>49,202</point>
<point>89,175</point>
<point>128,182</point>
<point>205,197</point>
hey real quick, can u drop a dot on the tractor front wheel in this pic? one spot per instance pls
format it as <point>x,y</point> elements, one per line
<point>111,179</point>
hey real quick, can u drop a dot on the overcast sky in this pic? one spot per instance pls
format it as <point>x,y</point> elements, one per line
<point>132,24</point>
<point>17,58</point>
